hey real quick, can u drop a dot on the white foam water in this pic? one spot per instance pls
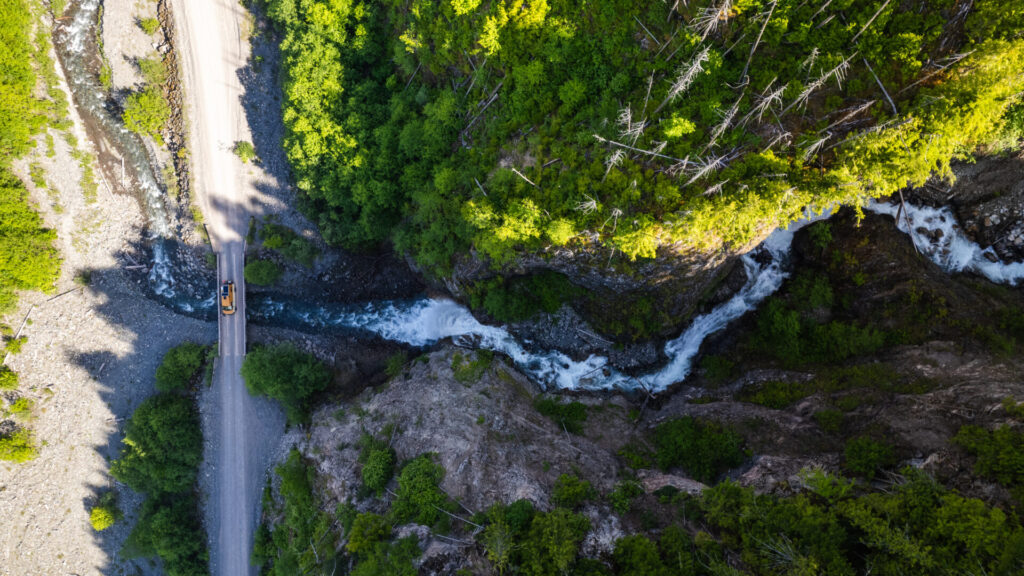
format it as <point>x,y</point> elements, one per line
<point>427,321</point>
<point>936,234</point>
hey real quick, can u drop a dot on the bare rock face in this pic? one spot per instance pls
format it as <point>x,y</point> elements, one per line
<point>494,446</point>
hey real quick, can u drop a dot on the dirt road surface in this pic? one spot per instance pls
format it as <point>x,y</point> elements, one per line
<point>213,50</point>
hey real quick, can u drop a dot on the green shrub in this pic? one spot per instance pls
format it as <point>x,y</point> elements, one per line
<point>22,233</point>
<point>395,364</point>
<point>570,491</point>
<point>1000,453</point>
<point>717,369</point>
<point>146,112</point>
<point>516,299</point>
<point>419,497</point>
<point>551,544</point>
<point>864,456</point>
<point>8,378</point>
<point>703,450</point>
<point>105,513</point>
<point>179,367</point>
<point>468,369</point>
<point>170,528</point>
<point>829,420</point>
<point>149,25</point>
<point>775,394</point>
<point>245,151</point>
<point>367,530</point>
<point>637,556</point>
<point>1011,406</point>
<point>21,406</point>
<point>18,446</point>
<point>286,241</point>
<point>378,469</point>
<point>13,345</point>
<point>821,236</point>
<point>287,375</point>
<point>153,70</point>
<point>262,272</point>
<point>569,416</point>
<point>621,498</point>
<point>163,446</point>
<point>304,540</point>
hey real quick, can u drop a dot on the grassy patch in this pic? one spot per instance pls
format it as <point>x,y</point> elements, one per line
<point>569,416</point>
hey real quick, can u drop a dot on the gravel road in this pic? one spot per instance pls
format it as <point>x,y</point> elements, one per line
<point>240,430</point>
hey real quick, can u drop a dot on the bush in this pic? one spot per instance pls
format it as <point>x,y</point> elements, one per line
<point>153,70</point>
<point>262,272</point>
<point>1000,453</point>
<point>245,151</point>
<point>291,245</point>
<point>18,446</point>
<point>146,112</point>
<point>8,378</point>
<point>105,513</point>
<point>367,530</point>
<point>553,540</point>
<point>468,369</point>
<point>829,420</point>
<point>163,446</point>
<point>149,25</point>
<point>569,416</point>
<point>570,491</point>
<point>286,374</point>
<point>395,364</point>
<point>170,528</point>
<point>378,469</point>
<point>13,345</point>
<point>516,299</point>
<point>304,541</point>
<point>865,456</point>
<point>622,497</point>
<point>419,498</point>
<point>179,367</point>
<point>637,556</point>
<point>703,450</point>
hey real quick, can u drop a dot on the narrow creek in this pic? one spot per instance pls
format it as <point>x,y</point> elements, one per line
<point>425,321</point>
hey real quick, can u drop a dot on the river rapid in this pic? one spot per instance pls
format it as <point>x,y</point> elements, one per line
<point>426,321</point>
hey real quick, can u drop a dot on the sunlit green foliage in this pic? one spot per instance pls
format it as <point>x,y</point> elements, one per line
<point>286,374</point>
<point>18,446</point>
<point>8,378</point>
<point>105,512</point>
<point>146,112</point>
<point>445,125</point>
<point>179,366</point>
<point>28,260</point>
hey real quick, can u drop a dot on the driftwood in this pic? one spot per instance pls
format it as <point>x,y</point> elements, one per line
<point>882,86</point>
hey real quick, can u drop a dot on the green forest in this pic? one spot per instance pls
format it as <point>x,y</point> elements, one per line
<point>28,260</point>
<point>508,126</point>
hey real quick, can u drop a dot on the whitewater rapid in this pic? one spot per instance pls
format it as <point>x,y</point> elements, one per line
<point>937,234</point>
<point>427,321</point>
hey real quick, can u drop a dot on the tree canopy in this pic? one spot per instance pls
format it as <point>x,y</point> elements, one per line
<point>163,446</point>
<point>627,125</point>
<point>286,374</point>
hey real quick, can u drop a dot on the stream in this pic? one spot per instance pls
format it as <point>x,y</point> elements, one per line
<point>426,321</point>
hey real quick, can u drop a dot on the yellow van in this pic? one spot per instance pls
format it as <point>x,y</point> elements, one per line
<point>227,298</point>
